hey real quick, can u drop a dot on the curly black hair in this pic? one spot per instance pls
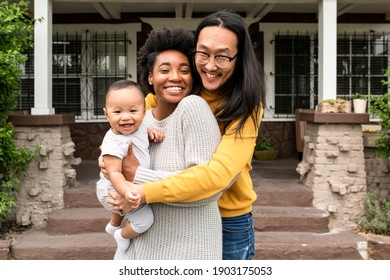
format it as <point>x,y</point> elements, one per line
<point>159,40</point>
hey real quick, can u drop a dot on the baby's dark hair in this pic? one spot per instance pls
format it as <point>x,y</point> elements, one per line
<point>160,40</point>
<point>121,84</point>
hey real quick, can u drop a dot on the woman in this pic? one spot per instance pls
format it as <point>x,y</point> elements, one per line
<point>180,230</point>
<point>233,86</point>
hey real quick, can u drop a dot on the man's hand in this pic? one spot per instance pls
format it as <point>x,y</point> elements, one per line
<point>119,203</point>
<point>133,198</point>
<point>140,190</point>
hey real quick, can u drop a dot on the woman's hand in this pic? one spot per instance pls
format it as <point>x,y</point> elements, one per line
<point>129,165</point>
<point>102,167</point>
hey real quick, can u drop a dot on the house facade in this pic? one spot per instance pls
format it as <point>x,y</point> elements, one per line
<point>311,51</point>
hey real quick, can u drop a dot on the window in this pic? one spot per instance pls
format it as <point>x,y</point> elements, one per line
<point>26,98</point>
<point>110,65</point>
<point>361,62</point>
<point>66,64</point>
<point>296,81</point>
<point>83,66</point>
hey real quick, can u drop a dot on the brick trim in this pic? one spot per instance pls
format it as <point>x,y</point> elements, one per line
<point>342,118</point>
<point>40,120</point>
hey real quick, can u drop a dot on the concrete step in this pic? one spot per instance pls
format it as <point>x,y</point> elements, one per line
<point>336,245</point>
<point>82,197</point>
<point>85,195</point>
<point>266,218</point>
<point>268,193</point>
<point>290,194</point>
<point>290,219</point>
<point>77,220</point>
<point>278,185</point>
<point>38,245</point>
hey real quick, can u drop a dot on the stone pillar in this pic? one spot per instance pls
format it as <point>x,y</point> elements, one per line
<point>41,189</point>
<point>333,165</point>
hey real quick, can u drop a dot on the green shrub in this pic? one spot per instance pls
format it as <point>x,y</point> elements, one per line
<point>380,106</point>
<point>15,37</point>
<point>377,216</point>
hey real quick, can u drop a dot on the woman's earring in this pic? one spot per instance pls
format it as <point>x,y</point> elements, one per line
<point>150,83</point>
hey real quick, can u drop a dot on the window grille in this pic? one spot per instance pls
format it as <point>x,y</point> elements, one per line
<point>361,62</point>
<point>83,66</point>
<point>66,67</point>
<point>26,97</point>
<point>296,73</point>
<point>110,65</point>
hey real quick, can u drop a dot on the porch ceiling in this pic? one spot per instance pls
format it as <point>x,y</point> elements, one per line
<point>112,9</point>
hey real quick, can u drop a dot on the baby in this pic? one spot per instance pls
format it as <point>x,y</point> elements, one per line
<point>125,110</point>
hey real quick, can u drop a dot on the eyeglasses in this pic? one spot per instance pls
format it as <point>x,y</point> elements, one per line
<point>222,61</point>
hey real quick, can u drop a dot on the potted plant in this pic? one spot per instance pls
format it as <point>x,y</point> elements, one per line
<point>265,149</point>
<point>338,105</point>
<point>359,103</point>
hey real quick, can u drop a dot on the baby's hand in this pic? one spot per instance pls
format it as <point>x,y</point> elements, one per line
<point>133,198</point>
<point>155,135</point>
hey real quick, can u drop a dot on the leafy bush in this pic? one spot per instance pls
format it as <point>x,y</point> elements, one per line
<point>15,37</point>
<point>377,216</point>
<point>380,105</point>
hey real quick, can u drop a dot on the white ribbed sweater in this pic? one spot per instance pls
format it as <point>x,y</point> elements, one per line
<point>181,230</point>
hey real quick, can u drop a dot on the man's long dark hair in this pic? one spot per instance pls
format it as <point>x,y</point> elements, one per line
<point>244,94</point>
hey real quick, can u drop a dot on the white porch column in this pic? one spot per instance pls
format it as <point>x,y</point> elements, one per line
<point>327,43</point>
<point>43,59</point>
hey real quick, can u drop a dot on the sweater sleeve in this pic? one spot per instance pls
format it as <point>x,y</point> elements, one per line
<point>144,175</point>
<point>205,180</point>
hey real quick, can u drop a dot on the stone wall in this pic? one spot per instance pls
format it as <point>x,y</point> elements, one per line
<point>377,168</point>
<point>41,189</point>
<point>333,166</point>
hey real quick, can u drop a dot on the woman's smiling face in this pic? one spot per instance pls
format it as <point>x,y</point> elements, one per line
<point>171,77</point>
<point>215,40</point>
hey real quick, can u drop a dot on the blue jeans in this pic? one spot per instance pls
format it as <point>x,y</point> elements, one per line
<point>238,237</point>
